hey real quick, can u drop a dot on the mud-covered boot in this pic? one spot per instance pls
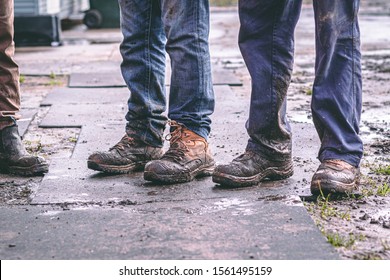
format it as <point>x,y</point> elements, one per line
<point>128,155</point>
<point>335,176</point>
<point>187,157</point>
<point>251,168</point>
<point>14,157</point>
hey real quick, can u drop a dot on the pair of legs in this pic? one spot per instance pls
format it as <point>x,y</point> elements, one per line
<point>13,156</point>
<point>150,29</point>
<point>267,44</point>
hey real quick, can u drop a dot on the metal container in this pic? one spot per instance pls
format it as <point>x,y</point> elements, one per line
<point>38,22</point>
<point>61,8</point>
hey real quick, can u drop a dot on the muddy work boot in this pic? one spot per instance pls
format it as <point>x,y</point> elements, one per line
<point>187,157</point>
<point>14,158</point>
<point>128,155</point>
<point>250,169</point>
<point>335,176</point>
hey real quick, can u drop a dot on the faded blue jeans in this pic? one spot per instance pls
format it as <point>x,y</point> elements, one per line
<point>150,29</point>
<point>266,41</point>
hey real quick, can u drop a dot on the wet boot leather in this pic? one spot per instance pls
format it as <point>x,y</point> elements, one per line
<point>335,176</point>
<point>251,168</point>
<point>188,157</point>
<point>14,157</point>
<point>128,155</point>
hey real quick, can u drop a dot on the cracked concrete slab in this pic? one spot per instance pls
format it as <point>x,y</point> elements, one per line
<point>74,96</point>
<point>114,79</point>
<point>28,115</point>
<point>67,115</point>
<point>70,181</point>
<point>190,229</point>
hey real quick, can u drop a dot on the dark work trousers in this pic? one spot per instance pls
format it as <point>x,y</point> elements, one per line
<point>266,41</point>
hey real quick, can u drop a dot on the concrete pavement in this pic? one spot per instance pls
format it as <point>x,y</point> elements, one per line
<point>76,213</point>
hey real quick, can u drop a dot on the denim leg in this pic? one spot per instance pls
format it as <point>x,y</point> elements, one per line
<point>337,90</point>
<point>143,68</point>
<point>266,41</point>
<point>191,99</point>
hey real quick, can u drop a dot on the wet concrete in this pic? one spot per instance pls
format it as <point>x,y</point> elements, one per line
<point>82,214</point>
<point>28,115</point>
<point>75,213</point>
<point>206,229</point>
<point>114,78</point>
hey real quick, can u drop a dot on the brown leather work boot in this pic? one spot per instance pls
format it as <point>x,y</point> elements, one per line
<point>251,168</point>
<point>15,159</point>
<point>335,176</point>
<point>187,157</point>
<point>128,155</point>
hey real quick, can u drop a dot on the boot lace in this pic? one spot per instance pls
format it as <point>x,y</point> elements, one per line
<point>177,149</point>
<point>123,144</point>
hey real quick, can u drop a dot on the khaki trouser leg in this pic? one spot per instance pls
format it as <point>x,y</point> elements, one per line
<point>9,71</point>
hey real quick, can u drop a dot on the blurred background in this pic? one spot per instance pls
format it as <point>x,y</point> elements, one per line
<point>39,22</point>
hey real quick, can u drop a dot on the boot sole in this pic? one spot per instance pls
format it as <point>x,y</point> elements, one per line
<point>326,187</point>
<point>115,169</point>
<point>238,182</point>
<point>34,170</point>
<point>179,178</point>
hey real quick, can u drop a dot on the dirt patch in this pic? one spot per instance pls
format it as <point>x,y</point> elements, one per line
<point>16,191</point>
<point>358,226</point>
<point>49,143</point>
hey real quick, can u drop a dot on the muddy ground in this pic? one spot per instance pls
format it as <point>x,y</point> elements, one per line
<point>358,225</point>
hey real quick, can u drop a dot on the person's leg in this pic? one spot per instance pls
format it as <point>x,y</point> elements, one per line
<point>143,69</point>
<point>9,71</point>
<point>13,155</point>
<point>191,101</point>
<point>266,42</point>
<point>337,95</point>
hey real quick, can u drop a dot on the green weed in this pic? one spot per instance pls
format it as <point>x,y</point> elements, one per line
<point>22,79</point>
<point>337,240</point>
<point>52,75</point>
<point>33,147</point>
<point>54,81</point>
<point>383,190</point>
<point>367,256</point>
<point>223,3</point>
<point>382,170</point>
<point>327,210</point>
<point>72,139</point>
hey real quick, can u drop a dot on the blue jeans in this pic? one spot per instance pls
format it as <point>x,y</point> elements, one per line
<point>181,28</point>
<point>266,41</point>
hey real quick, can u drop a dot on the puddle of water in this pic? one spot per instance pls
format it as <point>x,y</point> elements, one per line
<point>300,118</point>
<point>50,213</point>
<point>290,200</point>
<point>53,177</point>
<point>240,207</point>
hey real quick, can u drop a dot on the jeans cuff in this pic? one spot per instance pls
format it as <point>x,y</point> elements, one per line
<point>350,158</point>
<point>144,134</point>
<point>268,152</point>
